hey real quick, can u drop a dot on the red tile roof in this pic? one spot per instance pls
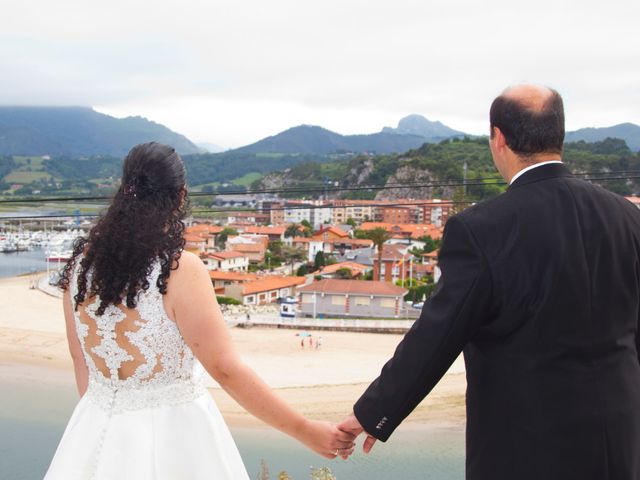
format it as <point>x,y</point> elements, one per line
<point>233,276</point>
<point>364,242</point>
<point>352,287</point>
<point>266,284</point>
<point>191,238</point>
<point>335,230</point>
<point>265,230</point>
<point>204,228</point>
<point>412,230</point>
<point>353,266</point>
<point>225,255</point>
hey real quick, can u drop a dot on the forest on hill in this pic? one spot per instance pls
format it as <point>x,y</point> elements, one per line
<point>430,163</point>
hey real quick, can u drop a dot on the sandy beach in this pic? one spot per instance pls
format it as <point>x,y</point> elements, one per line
<point>320,383</point>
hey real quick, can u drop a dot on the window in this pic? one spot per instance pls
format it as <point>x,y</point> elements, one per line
<point>360,301</point>
<point>250,299</point>
<point>337,300</point>
<point>388,302</point>
<point>274,294</point>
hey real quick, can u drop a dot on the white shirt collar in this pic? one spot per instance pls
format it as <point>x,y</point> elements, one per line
<point>531,167</point>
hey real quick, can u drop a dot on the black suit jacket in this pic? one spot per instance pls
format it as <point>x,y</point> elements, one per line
<point>541,288</point>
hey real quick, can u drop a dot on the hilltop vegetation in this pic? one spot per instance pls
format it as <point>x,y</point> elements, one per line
<point>316,176</point>
<point>79,131</point>
<point>446,161</point>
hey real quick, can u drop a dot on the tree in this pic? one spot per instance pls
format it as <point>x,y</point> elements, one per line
<point>275,247</point>
<point>302,270</point>
<point>293,230</point>
<point>293,255</point>
<point>351,221</point>
<point>221,238</point>
<point>378,236</point>
<point>344,273</point>
<point>319,261</point>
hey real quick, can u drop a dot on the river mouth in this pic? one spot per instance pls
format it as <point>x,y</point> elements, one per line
<point>33,416</point>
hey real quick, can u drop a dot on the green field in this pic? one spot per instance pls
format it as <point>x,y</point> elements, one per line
<point>30,169</point>
<point>247,179</point>
<point>22,176</point>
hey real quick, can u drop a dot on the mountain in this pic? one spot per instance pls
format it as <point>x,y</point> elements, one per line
<point>628,132</point>
<point>419,125</point>
<point>313,140</point>
<point>79,131</point>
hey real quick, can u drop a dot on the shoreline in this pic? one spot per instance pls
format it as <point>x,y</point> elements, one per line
<point>324,385</point>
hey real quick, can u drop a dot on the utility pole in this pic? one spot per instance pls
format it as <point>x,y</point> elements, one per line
<point>464,178</point>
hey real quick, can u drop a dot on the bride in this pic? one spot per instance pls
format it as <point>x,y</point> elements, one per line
<point>142,320</point>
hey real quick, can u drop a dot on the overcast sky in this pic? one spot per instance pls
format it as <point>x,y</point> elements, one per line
<point>232,72</point>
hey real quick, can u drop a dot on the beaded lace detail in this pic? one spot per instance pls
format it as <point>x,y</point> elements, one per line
<point>136,357</point>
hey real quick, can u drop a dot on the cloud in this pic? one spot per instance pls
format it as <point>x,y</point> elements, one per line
<point>231,72</point>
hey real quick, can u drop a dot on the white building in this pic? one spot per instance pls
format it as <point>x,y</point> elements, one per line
<point>226,261</point>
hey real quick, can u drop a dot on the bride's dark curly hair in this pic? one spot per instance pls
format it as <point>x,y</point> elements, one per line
<point>144,222</point>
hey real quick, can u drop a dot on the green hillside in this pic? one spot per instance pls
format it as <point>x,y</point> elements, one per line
<point>79,131</point>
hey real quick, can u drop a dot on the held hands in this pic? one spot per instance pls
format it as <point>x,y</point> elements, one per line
<point>352,425</point>
<point>327,439</point>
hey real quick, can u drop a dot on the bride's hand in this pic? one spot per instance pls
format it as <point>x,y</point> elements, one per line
<point>326,439</point>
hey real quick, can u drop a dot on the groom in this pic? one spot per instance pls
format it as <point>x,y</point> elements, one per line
<point>541,288</point>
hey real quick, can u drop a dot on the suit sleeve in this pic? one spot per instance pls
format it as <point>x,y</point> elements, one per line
<point>447,322</point>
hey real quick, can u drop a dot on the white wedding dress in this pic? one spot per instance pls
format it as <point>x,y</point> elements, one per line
<point>146,414</point>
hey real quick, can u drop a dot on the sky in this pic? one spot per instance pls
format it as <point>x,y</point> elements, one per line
<point>233,72</point>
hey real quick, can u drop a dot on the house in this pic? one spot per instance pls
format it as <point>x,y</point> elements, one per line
<point>274,233</point>
<point>342,245</point>
<point>221,279</point>
<point>255,252</point>
<point>430,258</point>
<point>351,298</point>
<point>356,269</point>
<point>402,214</point>
<point>206,231</point>
<point>194,243</point>
<point>253,247</point>
<point>235,200</point>
<point>330,233</point>
<point>264,290</point>
<point>248,218</point>
<point>363,256</point>
<point>226,261</point>
<point>635,200</point>
<point>395,264</point>
<point>406,230</point>
<point>358,210</point>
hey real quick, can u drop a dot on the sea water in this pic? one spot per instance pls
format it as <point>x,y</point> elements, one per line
<point>33,416</point>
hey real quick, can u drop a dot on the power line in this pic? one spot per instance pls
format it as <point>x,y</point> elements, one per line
<point>299,207</point>
<point>598,176</point>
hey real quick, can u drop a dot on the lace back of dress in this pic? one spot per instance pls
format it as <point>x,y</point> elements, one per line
<point>112,342</point>
<point>131,345</point>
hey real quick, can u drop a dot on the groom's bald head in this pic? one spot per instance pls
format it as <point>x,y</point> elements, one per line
<point>531,118</point>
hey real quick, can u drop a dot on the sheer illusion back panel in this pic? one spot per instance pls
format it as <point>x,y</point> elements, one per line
<point>110,341</point>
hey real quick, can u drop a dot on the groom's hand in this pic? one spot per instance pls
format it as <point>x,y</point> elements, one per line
<point>352,425</point>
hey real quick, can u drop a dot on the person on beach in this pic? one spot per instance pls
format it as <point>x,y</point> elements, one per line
<point>541,288</point>
<point>142,320</point>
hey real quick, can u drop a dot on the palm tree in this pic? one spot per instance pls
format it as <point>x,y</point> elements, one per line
<point>293,255</point>
<point>378,236</point>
